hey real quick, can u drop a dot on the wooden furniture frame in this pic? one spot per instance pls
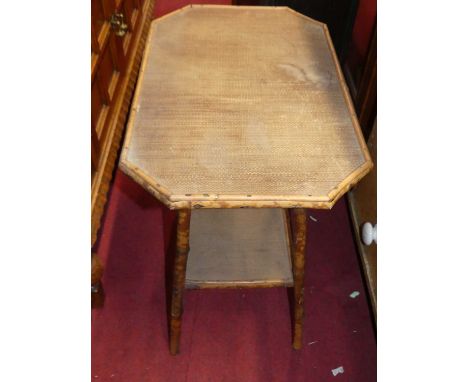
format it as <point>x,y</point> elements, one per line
<point>115,62</point>
<point>174,155</point>
<point>362,201</point>
<point>179,283</point>
<point>366,97</point>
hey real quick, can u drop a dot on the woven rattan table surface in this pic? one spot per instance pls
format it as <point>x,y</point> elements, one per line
<point>242,107</point>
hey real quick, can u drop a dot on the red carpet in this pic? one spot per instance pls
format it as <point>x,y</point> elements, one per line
<point>227,335</point>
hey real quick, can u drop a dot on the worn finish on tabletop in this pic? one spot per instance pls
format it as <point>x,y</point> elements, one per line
<point>270,119</point>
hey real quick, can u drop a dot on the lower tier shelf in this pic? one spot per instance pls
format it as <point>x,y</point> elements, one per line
<point>235,248</point>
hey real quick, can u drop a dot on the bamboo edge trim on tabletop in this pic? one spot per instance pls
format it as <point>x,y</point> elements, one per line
<point>348,100</point>
<point>134,107</point>
<point>243,201</point>
<point>269,201</point>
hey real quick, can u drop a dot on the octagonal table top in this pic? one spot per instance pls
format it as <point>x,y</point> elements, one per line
<point>242,107</point>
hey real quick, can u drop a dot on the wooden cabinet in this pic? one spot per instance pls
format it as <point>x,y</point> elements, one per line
<point>118,34</point>
<point>363,205</point>
<point>363,198</point>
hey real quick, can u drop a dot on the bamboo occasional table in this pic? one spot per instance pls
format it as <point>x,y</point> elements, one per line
<point>241,114</point>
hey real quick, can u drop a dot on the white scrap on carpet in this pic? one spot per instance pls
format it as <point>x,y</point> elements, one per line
<point>338,370</point>
<point>311,343</point>
<point>312,218</point>
<point>354,294</point>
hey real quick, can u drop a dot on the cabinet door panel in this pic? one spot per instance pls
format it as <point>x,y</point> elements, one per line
<point>115,58</point>
<point>363,205</point>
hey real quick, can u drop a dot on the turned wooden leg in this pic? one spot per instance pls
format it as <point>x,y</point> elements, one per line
<point>300,223</point>
<point>97,292</point>
<point>178,281</point>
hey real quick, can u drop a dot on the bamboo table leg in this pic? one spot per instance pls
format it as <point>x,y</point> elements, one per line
<point>178,283</point>
<point>300,223</point>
